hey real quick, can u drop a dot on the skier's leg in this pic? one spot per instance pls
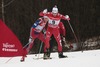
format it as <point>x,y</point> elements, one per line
<point>58,39</point>
<point>26,49</point>
<point>42,38</point>
<point>47,45</point>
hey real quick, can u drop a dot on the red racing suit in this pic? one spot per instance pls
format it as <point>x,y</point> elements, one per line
<point>53,28</point>
<point>36,32</point>
<point>62,29</point>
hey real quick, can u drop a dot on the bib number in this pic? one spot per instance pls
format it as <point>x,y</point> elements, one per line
<point>53,22</point>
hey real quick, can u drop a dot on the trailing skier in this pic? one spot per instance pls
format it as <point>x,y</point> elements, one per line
<point>37,31</point>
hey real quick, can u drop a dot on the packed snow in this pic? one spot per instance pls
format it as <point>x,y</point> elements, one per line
<point>90,58</point>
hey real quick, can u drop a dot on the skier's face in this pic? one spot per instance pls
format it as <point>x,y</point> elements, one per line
<point>45,19</point>
<point>54,14</point>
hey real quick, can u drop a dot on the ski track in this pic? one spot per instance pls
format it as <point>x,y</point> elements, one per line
<point>90,58</point>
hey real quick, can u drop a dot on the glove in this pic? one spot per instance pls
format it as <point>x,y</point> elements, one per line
<point>64,39</point>
<point>45,11</point>
<point>67,17</point>
<point>30,39</point>
<point>44,31</point>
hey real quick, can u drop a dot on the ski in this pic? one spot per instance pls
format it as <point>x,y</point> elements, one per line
<point>47,58</point>
<point>41,58</point>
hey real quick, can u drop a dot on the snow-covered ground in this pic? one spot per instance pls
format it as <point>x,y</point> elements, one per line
<point>90,58</point>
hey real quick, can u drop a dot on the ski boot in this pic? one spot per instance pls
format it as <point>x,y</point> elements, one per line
<point>61,55</point>
<point>46,55</point>
<point>24,55</point>
<point>22,59</point>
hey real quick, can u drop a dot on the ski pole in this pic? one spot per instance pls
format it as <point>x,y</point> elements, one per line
<point>73,31</point>
<point>8,60</point>
<point>26,45</point>
<point>40,49</point>
<point>75,35</point>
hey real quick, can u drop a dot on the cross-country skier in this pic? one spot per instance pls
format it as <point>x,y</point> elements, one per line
<point>53,28</point>
<point>37,31</point>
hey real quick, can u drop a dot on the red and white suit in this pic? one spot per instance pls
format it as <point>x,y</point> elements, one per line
<point>36,32</point>
<point>53,28</point>
<point>62,29</point>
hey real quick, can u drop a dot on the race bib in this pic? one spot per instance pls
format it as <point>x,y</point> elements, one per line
<point>54,22</point>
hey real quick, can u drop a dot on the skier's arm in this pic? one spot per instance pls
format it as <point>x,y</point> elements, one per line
<point>32,29</point>
<point>36,23</point>
<point>66,17</point>
<point>44,12</point>
<point>41,13</point>
<point>34,26</point>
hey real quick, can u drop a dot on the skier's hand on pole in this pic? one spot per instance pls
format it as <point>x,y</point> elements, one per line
<point>67,17</point>
<point>63,38</point>
<point>71,27</point>
<point>30,39</point>
<point>44,31</point>
<point>45,11</point>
